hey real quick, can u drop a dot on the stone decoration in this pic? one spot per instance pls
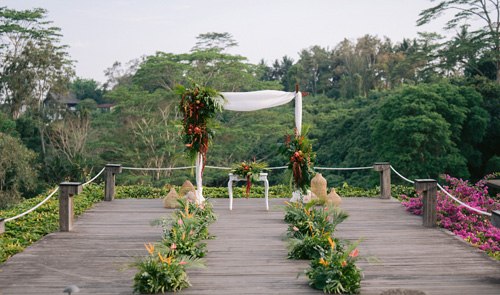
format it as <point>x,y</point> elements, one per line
<point>186,188</point>
<point>170,200</point>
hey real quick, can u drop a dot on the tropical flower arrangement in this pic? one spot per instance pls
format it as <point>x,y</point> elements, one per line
<point>250,171</point>
<point>465,223</point>
<point>181,247</point>
<point>297,150</point>
<point>310,236</point>
<point>199,106</point>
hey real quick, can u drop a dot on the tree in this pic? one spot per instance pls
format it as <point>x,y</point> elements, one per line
<point>487,11</point>
<point>30,61</point>
<point>17,173</point>
<point>214,41</point>
<point>87,88</point>
<point>426,129</point>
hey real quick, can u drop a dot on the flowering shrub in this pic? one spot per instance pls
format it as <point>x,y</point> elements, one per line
<point>335,270</point>
<point>181,247</point>
<point>162,271</point>
<point>310,234</point>
<point>473,227</point>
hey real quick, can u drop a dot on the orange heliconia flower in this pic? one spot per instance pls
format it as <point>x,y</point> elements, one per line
<point>322,261</point>
<point>332,243</point>
<point>167,260</point>
<point>151,248</point>
<point>354,253</point>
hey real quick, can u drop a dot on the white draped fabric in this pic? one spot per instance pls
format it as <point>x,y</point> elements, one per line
<point>253,101</point>
<point>256,100</point>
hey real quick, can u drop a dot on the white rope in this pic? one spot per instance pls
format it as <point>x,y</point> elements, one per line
<point>156,169</point>
<point>461,203</point>
<point>30,210</point>
<point>353,168</point>
<point>223,168</point>
<point>274,168</point>
<point>47,198</point>
<point>94,177</point>
<point>410,181</point>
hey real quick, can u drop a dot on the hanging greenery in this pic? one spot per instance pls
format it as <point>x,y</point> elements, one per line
<point>298,151</point>
<point>199,105</point>
<point>250,171</point>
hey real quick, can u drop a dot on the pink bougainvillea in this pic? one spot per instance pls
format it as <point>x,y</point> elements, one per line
<point>471,226</point>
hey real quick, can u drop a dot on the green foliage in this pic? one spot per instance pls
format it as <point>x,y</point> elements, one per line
<point>162,271</point>
<point>16,170</point>
<point>335,271</point>
<point>422,128</point>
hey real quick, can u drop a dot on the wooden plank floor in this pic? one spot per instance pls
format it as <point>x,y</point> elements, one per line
<point>248,257</point>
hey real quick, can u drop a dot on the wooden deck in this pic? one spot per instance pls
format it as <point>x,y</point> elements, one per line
<point>248,257</point>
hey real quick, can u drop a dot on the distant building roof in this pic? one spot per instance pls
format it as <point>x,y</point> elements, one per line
<point>69,98</point>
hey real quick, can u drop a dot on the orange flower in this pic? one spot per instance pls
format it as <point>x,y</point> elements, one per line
<point>167,260</point>
<point>151,248</point>
<point>288,203</point>
<point>182,262</point>
<point>322,261</point>
<point>332,243</point>
<point>354,253</point>
<point>344,263</point>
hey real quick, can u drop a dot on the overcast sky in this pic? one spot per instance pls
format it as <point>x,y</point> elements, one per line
<point>100,32</point>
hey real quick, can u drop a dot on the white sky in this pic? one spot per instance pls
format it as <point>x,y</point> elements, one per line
<point>100,32</point>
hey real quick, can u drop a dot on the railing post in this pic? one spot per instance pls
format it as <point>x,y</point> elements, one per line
<point>109,181</point>
<point>66,192</point>
<point>429,200</point>
<point>2,225</point>
<point>495,218</point>
<point>385,179</point>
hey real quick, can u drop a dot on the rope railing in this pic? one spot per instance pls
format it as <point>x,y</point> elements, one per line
<point>448,194</point>
<point>158,169</point>
<point>34,208</point>
<point>48,197</point>
<point>95,177</point>
<point>349,168</point>
<point>410,181</point>
<point>462,203</point>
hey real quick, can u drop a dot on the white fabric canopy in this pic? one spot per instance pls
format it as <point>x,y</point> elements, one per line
<point>256,100</point>
<point>253,101</point>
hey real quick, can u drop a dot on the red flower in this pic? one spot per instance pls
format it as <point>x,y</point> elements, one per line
<point>197,130</point>
<point>354,253</point>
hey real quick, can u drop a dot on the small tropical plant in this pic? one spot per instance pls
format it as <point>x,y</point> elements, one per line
<point>162,271</point>
<point>335,270</point>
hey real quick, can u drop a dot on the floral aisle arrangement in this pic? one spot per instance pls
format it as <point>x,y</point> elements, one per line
<point>473,227</point>
<point>199,106</point>
<point>298,152</point>
<point>250,171</point>
<point>182,247</point>
<point>310,232</point>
